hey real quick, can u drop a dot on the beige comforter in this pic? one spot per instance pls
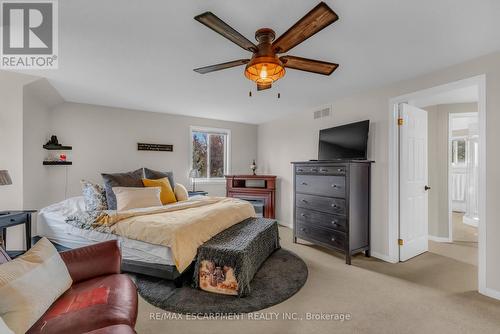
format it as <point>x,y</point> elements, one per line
<point>183,226</point>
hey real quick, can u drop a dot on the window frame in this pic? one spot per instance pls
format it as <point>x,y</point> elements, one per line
<point>454,151</point>
<point>227,152</point>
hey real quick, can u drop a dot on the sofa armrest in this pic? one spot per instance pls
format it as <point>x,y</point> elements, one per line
<point>91,261</point>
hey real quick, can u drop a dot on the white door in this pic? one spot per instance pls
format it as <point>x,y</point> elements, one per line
<point>413,198</point>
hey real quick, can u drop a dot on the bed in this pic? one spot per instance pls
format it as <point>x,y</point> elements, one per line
<point>138,256</point>
<point>146,234</point>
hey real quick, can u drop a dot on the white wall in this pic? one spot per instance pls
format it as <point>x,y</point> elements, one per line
<point>39,98</point>
<point>295,138</point>
<point>438,121</point>
<point>11,147</point>
<point>105,140</point>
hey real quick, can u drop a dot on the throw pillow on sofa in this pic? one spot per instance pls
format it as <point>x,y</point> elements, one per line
<point>30,284</point>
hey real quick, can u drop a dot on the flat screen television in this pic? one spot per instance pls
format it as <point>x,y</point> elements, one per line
<point>346,142</point>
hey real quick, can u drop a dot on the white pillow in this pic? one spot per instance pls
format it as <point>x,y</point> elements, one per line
<point>181,193</point>
<point>30,284</point>
<point>128,198</point>
<point>4,329</point>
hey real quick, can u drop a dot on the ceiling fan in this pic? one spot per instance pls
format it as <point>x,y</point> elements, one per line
<point>265,67</point>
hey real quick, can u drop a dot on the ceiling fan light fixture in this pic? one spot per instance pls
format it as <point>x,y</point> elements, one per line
<point>264,70</point>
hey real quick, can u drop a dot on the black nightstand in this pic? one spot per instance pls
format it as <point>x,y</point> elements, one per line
<point>13,218</point>
<point>198,192</point>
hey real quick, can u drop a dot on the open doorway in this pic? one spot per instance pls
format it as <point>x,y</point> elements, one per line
<point>437,186</point>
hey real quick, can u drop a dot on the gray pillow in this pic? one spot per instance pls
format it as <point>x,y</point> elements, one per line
<point>130,179</point>
<point>94,196</point>
<point>155,175</point>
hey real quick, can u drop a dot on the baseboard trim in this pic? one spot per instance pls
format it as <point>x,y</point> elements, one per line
<point>439,239</point>
<point>383,257</point>
<point>490,293</point>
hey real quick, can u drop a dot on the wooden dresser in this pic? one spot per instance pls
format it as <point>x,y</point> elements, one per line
<point>332,205</point>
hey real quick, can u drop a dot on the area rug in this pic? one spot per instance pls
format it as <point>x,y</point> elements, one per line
<point>280,277</point>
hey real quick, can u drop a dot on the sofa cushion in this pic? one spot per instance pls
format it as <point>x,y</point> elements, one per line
<point>130,179</point>
<point>155,175</point>
<point>30,284</point>
<point>90,305</point>
<point>116,329</point>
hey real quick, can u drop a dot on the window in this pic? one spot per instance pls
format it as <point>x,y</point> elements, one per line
<point>458,151</point>
<point>210,152</point>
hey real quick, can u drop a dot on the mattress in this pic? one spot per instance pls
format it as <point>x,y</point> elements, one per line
<point>51,224</point>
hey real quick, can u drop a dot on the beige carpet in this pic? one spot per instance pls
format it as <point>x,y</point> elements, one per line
<point>463,232</point>
<point>428,294</point>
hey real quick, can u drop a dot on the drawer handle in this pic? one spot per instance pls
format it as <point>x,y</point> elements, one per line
<point>324,170</point>
<point>334,206</point>
<point>340,170</point>
<point>303,215</point>
<point>300,170</point>
<point>314,169</point>
<point>304,201</point>
<point>304,183</point>
<point>333,239</point>
<point>334,186</point>
<point>303,229</point>
<point>335,223</point>
<point>12,220</point>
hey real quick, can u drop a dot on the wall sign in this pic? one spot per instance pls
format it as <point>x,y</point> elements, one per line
<point>155,147</point>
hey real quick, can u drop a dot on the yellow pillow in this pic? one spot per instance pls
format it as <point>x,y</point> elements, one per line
<point>167,194</point>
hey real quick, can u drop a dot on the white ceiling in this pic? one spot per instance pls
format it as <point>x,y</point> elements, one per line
<point>140,54</point>
<point>462,95</point>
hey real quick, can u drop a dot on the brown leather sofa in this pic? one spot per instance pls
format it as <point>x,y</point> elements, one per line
<point>101,299</point>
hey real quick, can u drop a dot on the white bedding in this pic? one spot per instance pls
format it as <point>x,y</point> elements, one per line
<point>51,224</point>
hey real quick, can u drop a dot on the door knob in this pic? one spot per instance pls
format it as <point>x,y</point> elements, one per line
<point>427,188</point>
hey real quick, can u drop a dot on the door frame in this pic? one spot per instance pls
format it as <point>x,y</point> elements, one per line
<point>393,168</point>
<point>450,150</point>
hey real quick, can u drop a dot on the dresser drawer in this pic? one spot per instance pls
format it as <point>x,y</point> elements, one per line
<point>319,219</point>
<point>323,185</point>
<point>329,237</point>
<point>324,204</point>
<point>321,170</point>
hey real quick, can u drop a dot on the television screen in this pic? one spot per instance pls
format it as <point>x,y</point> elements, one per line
<point>344,142</point>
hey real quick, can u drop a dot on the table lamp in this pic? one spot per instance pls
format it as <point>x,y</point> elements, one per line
<point>193,175</point>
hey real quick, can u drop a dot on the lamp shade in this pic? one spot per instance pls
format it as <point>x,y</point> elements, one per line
<point>194,173</point>
<point>5,178</point>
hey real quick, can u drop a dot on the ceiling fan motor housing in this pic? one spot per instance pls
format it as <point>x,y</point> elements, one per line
<point>265,67</point>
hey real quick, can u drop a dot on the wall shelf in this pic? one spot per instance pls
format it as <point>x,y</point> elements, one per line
<point>57,163</point>
<point>57,147</point>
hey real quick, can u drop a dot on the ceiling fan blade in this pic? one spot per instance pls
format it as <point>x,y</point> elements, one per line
<point>263,86</point>
<point>213,22</point>
<point>318,18</point>
<point>309,65</point>
<point>222,66</point>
